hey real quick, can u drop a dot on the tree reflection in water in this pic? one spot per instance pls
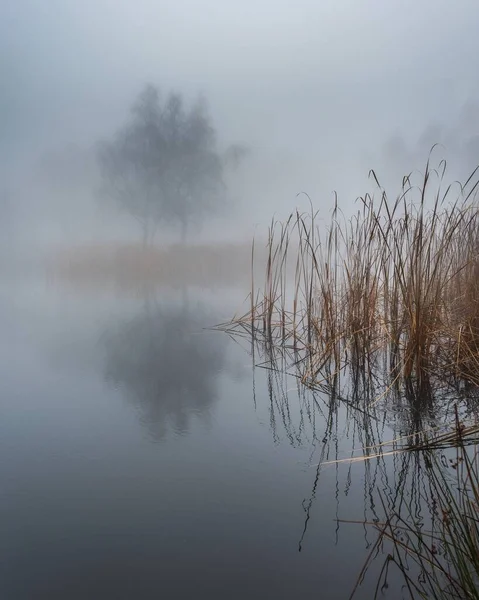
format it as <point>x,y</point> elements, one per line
<point>167,363</point>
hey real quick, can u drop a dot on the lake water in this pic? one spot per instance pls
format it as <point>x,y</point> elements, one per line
<point>143,457</point>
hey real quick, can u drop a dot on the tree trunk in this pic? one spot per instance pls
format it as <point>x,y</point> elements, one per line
<point>145,232</point>
<point>184,230</point>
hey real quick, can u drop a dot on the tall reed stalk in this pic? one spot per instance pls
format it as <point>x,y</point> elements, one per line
<point>399,280</point>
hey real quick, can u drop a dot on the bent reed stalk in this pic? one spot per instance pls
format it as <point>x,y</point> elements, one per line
<point>388,300</point>
<point>399,282</point>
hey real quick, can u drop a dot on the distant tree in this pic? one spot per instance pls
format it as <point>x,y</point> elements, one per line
<point>163,166</point>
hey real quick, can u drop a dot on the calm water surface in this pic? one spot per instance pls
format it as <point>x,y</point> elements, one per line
<point>143,457</point>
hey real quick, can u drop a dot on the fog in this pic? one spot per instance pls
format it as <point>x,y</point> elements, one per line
<point>182,417</point>
<point>319,93</point>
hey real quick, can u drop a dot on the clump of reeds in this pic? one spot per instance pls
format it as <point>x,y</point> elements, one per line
<point>399,281</point>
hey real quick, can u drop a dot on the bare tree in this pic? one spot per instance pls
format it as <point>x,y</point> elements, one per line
<point>163,167</point>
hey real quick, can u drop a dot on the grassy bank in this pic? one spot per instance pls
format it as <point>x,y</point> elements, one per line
<point>131,266</point>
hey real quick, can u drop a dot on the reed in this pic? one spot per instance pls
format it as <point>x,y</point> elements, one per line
<point>388,302</point>
<point>396,285</point>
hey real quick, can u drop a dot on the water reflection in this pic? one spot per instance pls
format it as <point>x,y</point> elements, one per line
<point>166,362</point>
<point>363,432</point>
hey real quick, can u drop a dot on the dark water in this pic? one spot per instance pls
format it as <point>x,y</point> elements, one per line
<point>142,457</point>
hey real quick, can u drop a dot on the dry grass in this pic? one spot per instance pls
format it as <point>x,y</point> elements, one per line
<point>130,266</point>
<point>396,285</point>
<point>390,298</point>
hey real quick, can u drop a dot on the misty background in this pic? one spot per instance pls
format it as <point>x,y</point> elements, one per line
<point>319,93</point>
<point>145,453</point>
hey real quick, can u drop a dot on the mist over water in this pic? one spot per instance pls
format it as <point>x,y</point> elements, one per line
<point>143,145</point>
<point>140,446</point>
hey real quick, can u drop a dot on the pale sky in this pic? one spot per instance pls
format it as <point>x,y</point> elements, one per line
<point>72,62</point>
<point>326,82</point>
